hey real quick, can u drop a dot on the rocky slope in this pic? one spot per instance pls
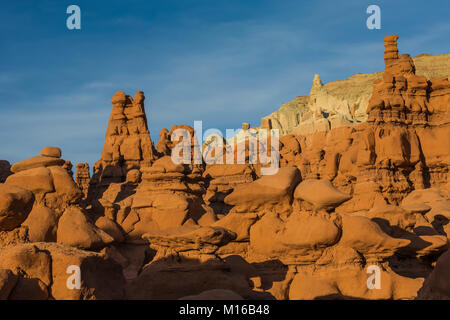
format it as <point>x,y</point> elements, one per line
<point>347,202</point>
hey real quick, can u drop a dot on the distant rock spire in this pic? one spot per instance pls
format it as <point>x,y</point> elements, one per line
<point>396,64</point>
<point>317,84</point>
<point>390,51</point>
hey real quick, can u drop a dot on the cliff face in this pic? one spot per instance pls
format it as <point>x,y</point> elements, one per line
<point>361,196</point>
<point>343,102</point>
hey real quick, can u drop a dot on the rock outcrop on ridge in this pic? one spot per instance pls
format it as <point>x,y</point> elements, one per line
<point>344,102</point>
<point>370,195</point>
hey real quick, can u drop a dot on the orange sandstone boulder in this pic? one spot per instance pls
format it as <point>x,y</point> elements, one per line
<point>268,190</point>
<point>320,193</point>
<point>299,238</point>
<point>15,205</point>
<point>36,162</point>
<point>74,229</point>
<point>38,180</point>
<point>49,180</point>
<point>64,185</point>
<point>42,224</point>
<point>52,152</point>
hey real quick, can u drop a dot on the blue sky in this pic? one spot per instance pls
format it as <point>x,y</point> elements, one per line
<point>222,62</point>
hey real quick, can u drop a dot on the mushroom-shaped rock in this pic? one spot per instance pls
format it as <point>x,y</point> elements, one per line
<point>320,193</point>
<point>304,231</point>
<point>15,205</point>
<point>52,152</point>
<point>204,239</point>
<point>36,162</point>
<point>395,221</point>
<point>437,199</point>
<point>269,189</point>
<point>75,230</point>
<point>366,237</point>
<point>300,238</point>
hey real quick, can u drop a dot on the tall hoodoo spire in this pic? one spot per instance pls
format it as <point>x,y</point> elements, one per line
<point>127,141</point>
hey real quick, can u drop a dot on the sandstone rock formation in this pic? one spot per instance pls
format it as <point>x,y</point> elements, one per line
<point>15,204</point>
<point>344,102</point>
<point>363,187</point>
<point>83,178</point>
<point>127,142</point>
<point>320,193</point>
<point>41,273</point>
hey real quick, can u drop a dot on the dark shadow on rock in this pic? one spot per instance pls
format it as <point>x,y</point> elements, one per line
<point>405,262</point>
<point>439,222</point>
<point>5,170</point>
<point>270,271</point>
<point>105,277</point>
<point>174,277</point>
<point>29,289</point>
<point>126,190</point>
